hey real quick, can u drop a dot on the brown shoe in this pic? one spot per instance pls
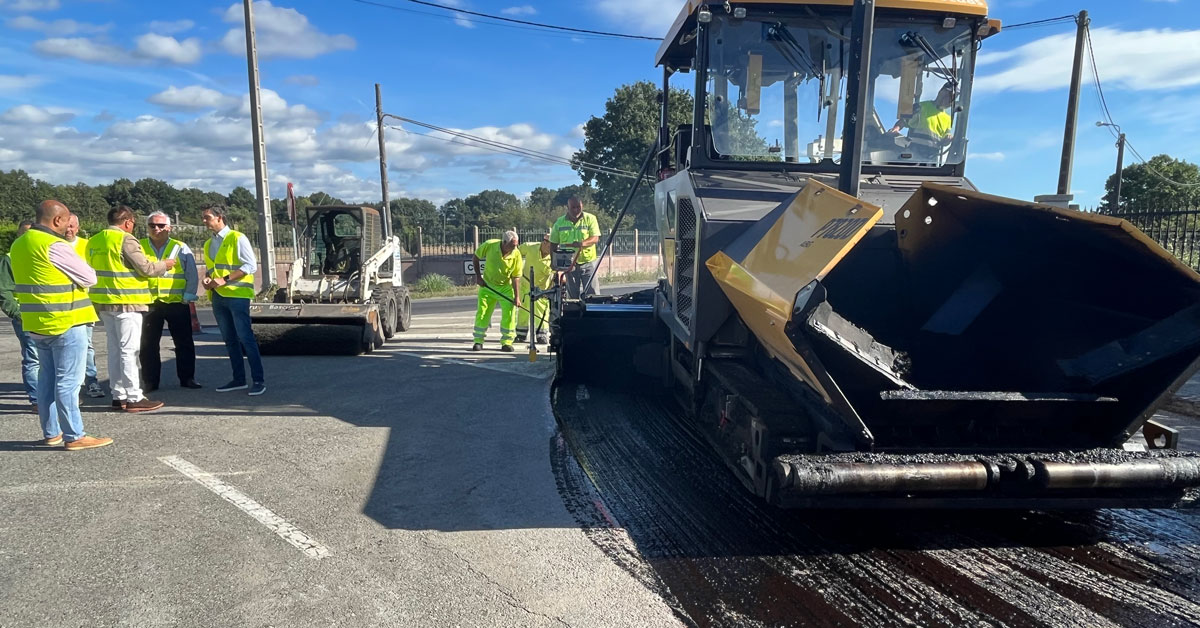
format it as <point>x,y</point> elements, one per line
<point>53,441</point>
<point>88,442</point>
<point>144,405</point>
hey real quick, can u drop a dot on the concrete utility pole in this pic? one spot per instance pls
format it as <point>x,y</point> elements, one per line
<point>1116,200</point>
<point>266,231</point>
<point>383,182</point>
<point>1068,152</point>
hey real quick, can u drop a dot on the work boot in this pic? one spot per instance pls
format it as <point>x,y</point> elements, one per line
<point>477,347</point>
<point>542,338</point>
<point>507,348</point>
<point>88,442</point>
<point>191,383</point>
<point>142,405</point>
<point>521,336</point>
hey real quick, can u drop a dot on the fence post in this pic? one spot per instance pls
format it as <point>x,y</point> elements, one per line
<point>475,236</point>
<point>636,251</point>
<point>420,253</point>
<point>612,251</point>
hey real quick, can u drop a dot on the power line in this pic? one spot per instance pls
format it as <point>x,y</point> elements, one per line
<point>555,27</point>
<point>1046,22</point>
<point>501,147</point>
<point>1108,117</point>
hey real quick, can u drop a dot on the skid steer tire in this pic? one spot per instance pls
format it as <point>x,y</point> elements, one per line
<point>404,318</point>
<point>388,314</point>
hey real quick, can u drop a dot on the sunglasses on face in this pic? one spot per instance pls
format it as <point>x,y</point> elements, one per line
<point>158,226</point>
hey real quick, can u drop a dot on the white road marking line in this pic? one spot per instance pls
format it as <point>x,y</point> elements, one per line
<point>499,368</point>
<point>286,531</point>
<point>137,481</point>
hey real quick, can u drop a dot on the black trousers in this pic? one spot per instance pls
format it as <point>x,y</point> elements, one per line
<point>179,322</point>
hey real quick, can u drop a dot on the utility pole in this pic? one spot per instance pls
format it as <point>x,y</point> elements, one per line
<point>1120,171</point>
<point>383,182</point>
<point>862,31</point>
<point>1068,152</point>
<point>266,231</point>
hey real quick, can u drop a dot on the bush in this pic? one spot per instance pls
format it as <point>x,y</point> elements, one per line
<point>433,282</point>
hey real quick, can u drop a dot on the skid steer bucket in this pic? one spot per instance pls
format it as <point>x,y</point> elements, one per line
<point>316,328</point>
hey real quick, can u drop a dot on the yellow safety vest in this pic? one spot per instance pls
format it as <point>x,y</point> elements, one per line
<point>226,262</point>
<point>542,273</point>
<point>50,302</point>
<point>170,287</point>
<point>80,245</point>
<point>498,269</point>
<point>116,283</point>
<point>564,232</point>
<point>930,123</point>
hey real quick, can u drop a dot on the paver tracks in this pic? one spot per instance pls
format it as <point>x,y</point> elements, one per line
<point>667,511</point>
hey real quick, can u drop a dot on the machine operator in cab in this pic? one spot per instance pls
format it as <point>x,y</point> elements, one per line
<point>929,127</point>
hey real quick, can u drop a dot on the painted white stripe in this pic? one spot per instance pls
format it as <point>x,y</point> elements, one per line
<point>260,513</point>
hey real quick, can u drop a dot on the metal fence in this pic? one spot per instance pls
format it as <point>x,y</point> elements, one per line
<point>1176,230</point>
<point>416,242</point>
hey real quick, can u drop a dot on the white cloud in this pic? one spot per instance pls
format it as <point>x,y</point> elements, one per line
<point>18,82</point>
<point>149,48</point>
<point>1147,60</point>
<point>29,5</point>
<point>280,32</point>
<point>997,156</point>
<point>165,47</point>
<point>83,49</point>
<point>647,17</point>
<point>193,97</point>
<point>304,80</point>
<point>170,28</point>
<point>524,9</point>
<point>30,114</point>
<point>56,27</point>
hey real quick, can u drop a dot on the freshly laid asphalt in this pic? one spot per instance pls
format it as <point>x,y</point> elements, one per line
<point>423,470</point>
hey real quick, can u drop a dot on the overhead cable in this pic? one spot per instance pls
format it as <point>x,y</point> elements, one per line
<point>499,18</point>
<point>1046,22</point>
<point>502,147</point>
<point>1111,123</point>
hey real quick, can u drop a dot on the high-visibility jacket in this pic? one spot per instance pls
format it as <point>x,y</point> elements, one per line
<point>930,123</point>
<point>80,245</point>
<point>498,269</point>
<point>225,263</point>
<point>531,252</point>
<point>170,287</point>
<point>565,232</point>
<point>116,283</point>
<point>50,302</point>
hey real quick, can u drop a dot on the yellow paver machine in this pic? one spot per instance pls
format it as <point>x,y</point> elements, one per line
<point>849,322</point>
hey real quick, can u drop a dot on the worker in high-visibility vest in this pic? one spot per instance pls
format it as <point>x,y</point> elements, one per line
<point>12,309</point>
<point>52,283</point>
<point>929,127</point>
<point>91,378</point>
<point>536,256</point>
<point>170,296</point>
<point>121,296</point>
<point>499,284</point>
<point>229,266</point>
<point>578,231</point>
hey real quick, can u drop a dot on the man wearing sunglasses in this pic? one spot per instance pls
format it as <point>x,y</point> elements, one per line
<point>121,296</point>
<point>170,296</point>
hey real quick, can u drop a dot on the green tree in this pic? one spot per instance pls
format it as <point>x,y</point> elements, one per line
<point>1163,183</point>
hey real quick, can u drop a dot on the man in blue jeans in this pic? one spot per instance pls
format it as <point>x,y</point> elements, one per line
<point>229,266</point>
<point>51,285</point>
<point>12,309</point>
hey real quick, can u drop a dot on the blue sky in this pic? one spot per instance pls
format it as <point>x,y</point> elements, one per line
<point>92,90</point>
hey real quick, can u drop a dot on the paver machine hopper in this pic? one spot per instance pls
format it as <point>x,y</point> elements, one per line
<point>848,322</point>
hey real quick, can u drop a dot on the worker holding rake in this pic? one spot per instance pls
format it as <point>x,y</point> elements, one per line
<point>499,282</point>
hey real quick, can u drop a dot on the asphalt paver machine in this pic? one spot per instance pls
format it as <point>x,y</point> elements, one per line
<point>847,321</point>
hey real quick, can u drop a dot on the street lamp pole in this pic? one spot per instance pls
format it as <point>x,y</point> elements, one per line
<point>1115,201</point>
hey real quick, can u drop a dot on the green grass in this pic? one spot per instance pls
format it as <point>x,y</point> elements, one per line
<point>640,276</point>
<point>435,285</point>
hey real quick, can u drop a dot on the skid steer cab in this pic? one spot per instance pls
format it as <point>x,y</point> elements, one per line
<point>344,292</point>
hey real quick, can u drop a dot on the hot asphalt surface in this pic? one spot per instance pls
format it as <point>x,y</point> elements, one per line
<point>425,485</point>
